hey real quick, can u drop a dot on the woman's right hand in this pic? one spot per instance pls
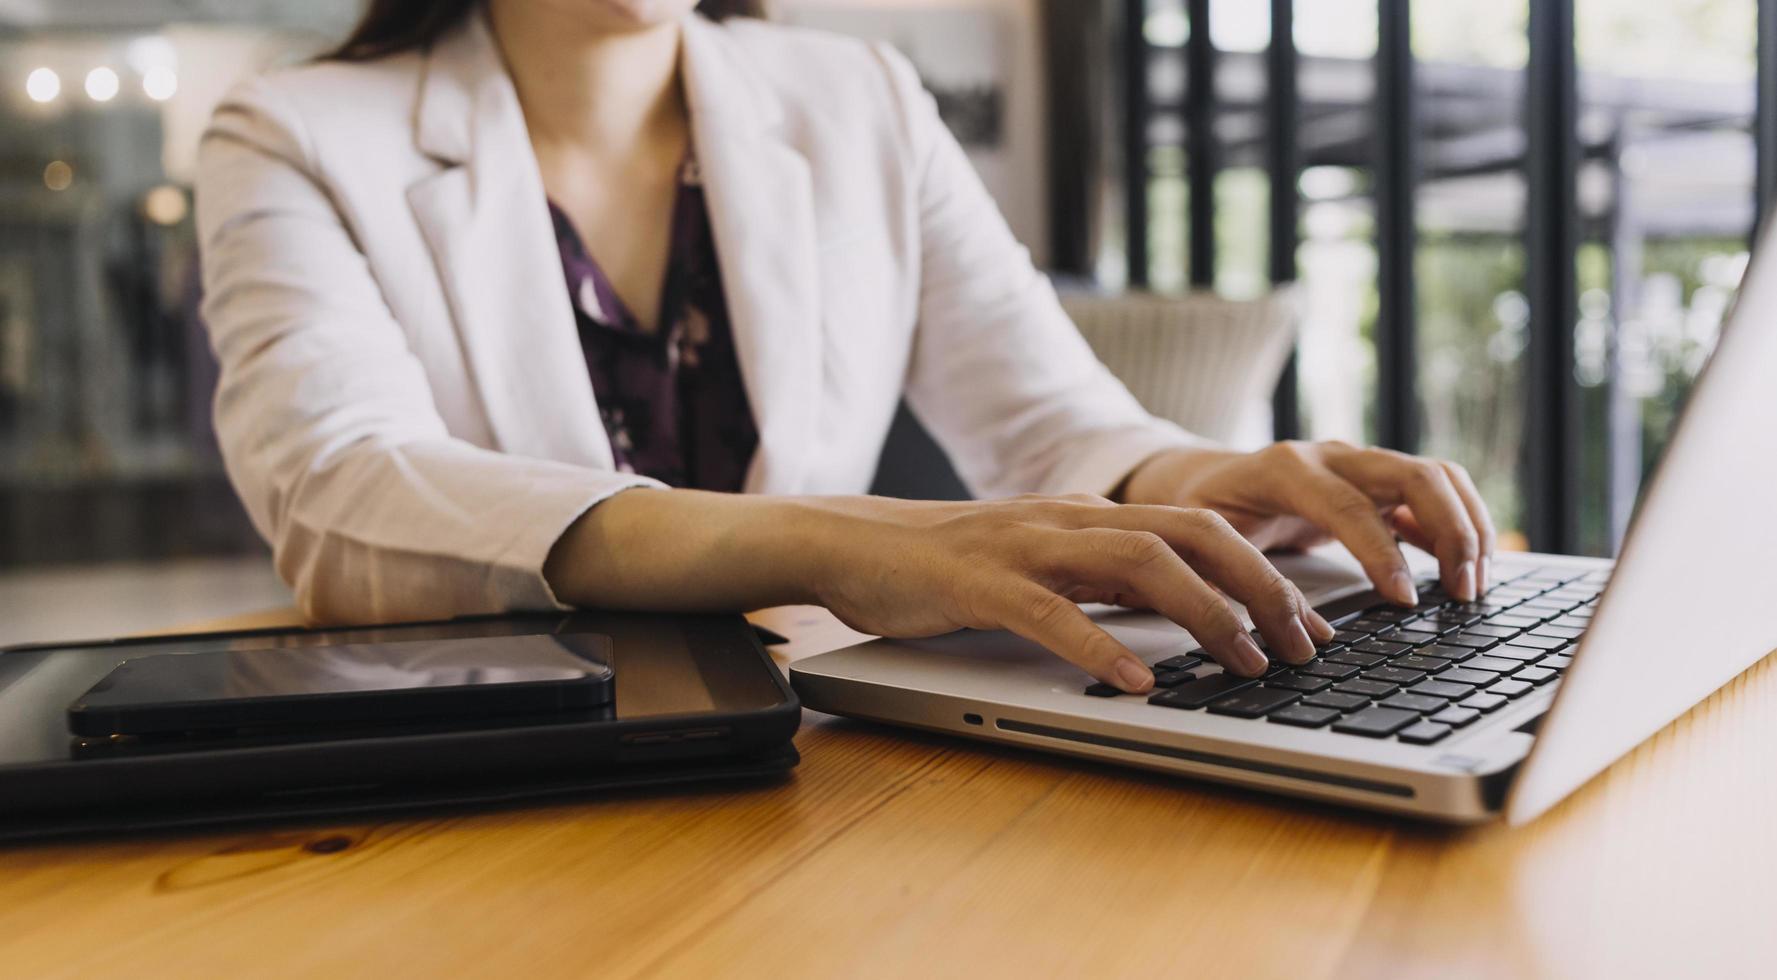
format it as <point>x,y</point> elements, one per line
<point>920,568</point>
<point>910,569</point>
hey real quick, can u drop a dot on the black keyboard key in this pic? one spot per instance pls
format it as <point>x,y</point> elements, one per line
<point>1468,675</point>
<point>1441,688</point>
<point>1294,681</point>
<point>1484,608</point>
<point>1498,665</point>
<point>1367,688</point>
<point>1371,626</point>
<point>1253,702</point>
<point>1375,722</point>
<point>1483,702</point>
<point>1455,717</point>
<point>1557,662</point>
<point>1203,690</point>
<point>1413,661</point>
<point>1550,643</point>
<point>1413,702</point>
<point>1470,639</point>
<point>1411,635</point>
<point>1336,699</point>
<point>1103,691</point>
<point>1424,733</point>
<point>1183,661</point>
<point>1541,610</point>
<point>1388,614</point>
<point>1535,675</point>
<point>1457,654</point>
<point>1439,626</point>
<point>1512,621</point>
<point>1509,688</point>
<point>1356,659</point>
<point>1172,678</point>
<point>1452,618</point>
<point>1561,632</point>
<point>1523,655</point>
<point>1302,715</point>
<point>1394,675</point>
<point>1325,668</point>
<point>1570,622</point>
<point>1348,637</point>
<point>1381,647</point>
<point>1497,632</point>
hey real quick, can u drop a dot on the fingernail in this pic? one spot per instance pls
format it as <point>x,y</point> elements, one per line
<point>1318,627</point>
<point>1249,659</point>
<point>1133,677</point>
<point>1401,585</point>
<point>1465,581</point>
<point>1303,646</point>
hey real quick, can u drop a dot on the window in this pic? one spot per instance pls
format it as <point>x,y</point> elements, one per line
<point>106,451</point>
<point>1557,382</point>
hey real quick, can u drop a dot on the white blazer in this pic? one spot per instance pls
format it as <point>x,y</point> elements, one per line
<point>404,407</point>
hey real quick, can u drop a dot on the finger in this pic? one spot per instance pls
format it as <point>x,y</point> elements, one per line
<point>1391,478</point>
<point>1483,521</point>
<point>1217,552</point>
<point>1145,565</point>
<point>1083,595</point>
<point>1345,512</point>
<point>1404,524</point>
<point>1056,623</point>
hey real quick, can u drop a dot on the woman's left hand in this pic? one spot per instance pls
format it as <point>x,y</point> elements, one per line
<point>1294,495</point>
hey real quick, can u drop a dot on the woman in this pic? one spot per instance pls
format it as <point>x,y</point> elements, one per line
<point>509,297</point>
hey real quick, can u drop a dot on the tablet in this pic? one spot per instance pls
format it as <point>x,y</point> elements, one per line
<point>695,698</point>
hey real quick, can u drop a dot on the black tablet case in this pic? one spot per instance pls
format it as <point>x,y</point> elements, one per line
<point>767,767</point>
<point>761,752</point>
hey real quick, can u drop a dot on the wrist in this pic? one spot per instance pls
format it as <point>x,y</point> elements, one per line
<point>1167,477</point>
<point>798,543</point>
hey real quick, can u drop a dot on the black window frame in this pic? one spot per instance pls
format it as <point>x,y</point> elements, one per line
<point>1550,472</point>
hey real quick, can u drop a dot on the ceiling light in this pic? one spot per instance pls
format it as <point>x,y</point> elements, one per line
<point>159,84</point>
<point>101,84</point>
<point>43,85</point>
<point>165,205</point>
<point>58,175</point>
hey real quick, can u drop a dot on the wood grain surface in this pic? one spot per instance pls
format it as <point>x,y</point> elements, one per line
<point>894,854</point>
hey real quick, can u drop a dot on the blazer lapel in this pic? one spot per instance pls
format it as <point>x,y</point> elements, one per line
<point>760,197</point>
<point>486,219</point>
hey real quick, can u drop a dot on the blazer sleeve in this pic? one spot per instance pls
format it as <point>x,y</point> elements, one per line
<point>326,421</point>
<point>999,373</point>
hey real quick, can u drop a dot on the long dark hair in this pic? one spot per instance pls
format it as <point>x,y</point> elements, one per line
<point>393,26</point>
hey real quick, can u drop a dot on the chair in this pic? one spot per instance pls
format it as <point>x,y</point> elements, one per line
<point>1206,363</point>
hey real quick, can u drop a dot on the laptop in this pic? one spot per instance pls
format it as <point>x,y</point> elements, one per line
<point>1450,711</point>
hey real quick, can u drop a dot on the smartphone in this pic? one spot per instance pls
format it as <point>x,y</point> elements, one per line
<point>355,684</point>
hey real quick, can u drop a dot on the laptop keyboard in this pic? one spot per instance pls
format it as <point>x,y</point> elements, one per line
<point>1414,675</point>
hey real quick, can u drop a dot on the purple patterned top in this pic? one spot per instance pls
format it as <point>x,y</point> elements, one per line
<point>672,401</point>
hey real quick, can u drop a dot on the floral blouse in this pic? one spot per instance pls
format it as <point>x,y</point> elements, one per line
<point>672,400</point>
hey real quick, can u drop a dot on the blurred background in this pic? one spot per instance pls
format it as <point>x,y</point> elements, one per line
<point>1515,229</point>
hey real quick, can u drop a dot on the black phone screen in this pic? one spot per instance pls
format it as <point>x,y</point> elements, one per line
<point>351,683</point>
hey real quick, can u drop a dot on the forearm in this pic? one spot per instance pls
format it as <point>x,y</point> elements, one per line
<point>692,551</point>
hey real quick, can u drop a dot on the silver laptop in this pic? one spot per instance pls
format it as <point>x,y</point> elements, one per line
<point>1454,712</point>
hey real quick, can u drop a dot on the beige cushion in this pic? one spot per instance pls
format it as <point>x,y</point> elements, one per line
<point>1207,363</point>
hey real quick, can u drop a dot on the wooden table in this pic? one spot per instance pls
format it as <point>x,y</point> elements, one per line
<point>890,854</point>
